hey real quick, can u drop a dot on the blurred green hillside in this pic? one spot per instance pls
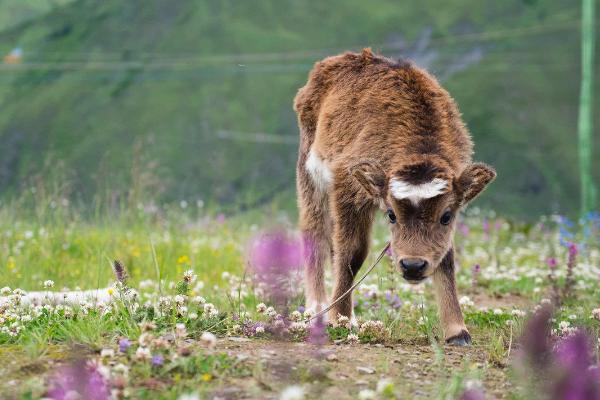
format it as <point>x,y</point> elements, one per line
<point>183,100</point>
<point>13,12</point>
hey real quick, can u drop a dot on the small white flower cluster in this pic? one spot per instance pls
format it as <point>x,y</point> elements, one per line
<point>564,329</point>
<point>596,313</point>
<point>465,301</point>
<point>374,328</point>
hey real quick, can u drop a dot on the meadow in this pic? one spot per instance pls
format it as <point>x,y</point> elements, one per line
<point>186,313</point>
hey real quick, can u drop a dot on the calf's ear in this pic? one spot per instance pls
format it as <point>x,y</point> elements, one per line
<point>370,177</point>
<point>473,180</point>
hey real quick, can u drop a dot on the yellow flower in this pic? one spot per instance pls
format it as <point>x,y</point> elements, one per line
<point>206,377</point>
<point>135,252</point>
<point>183,260</point>
<point>11,264</point>
<point>111,291</point>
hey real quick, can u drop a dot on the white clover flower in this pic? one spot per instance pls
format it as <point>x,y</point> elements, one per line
<point>260,329</point>
<point>145,339</point>
<point>180,330</point>
<point>518,313</point>
<point>208,339</point>
<point>121,369</point>
<point>296,316</point>
<point>199,300</point>
<point>367,394</point>
<point>385,386</point>
<point>563,325</point>
<point>596,313</point>
<point>498,311</point>
<point>308,313</point>
<point>352,338</point>
<point>189,396</point>
<point>466,301</point>
<point>208,307</point>
<point>193,316</point>
<point>261,308</point>
<point>271,312</point>
<point>509,322</point>
<point>189,276</point>
<point>344,321</point>
<point>298,327</point>
<point>107,353</point>
<point>293,392</point>
<point>179,299</point>
<point>48,284</point>
<point>5,291</point>
<point>572,317</point>
<point>143,353</point>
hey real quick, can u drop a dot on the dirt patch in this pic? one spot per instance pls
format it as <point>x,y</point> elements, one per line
<point>344,370</point>
<point>500,300</point>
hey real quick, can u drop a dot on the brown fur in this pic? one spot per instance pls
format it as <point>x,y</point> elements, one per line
<point>370,119</point>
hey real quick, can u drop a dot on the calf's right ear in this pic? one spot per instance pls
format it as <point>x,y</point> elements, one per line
<point>370,176</point>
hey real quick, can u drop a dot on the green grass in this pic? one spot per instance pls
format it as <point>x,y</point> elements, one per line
<point>75,251</point>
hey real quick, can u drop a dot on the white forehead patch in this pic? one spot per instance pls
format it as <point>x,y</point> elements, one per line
<point>319,171</point>
<point>403,190</point>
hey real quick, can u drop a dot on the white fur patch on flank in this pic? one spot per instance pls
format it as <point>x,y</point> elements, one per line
<point>415,193</point>
<point>319,171</point>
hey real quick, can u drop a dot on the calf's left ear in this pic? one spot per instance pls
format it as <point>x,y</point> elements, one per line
<point>473,180</point>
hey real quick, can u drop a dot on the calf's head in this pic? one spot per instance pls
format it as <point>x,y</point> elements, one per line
<point>421,201</point>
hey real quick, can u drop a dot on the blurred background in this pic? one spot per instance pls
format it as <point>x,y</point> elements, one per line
<point>150,102</point>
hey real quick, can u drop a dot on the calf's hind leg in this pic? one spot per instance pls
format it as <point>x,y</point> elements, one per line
<point>315,228</point>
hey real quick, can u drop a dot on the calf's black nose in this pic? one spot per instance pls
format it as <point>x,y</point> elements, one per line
<point>413,266</point>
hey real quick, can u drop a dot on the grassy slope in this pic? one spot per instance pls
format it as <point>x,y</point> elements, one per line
<point>186,83</point>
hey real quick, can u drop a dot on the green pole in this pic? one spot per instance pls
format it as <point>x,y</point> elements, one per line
<point>585,122</point>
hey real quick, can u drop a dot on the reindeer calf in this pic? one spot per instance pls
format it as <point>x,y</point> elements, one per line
<point>378,133</point>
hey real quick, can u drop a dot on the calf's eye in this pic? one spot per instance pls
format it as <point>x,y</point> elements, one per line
<point>391,216</point>
<point>446,218</point>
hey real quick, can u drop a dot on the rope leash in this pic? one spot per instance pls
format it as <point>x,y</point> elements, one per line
<point>358,282</point>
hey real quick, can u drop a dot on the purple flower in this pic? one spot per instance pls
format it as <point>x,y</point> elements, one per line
<point>486,226</point>
<point>157,360</point>
<point>575,375</point>
<point>393,300</point>
<point>275,258</point>
<point>472,394</point>
<point>570,370</point>
<point>573,249</point>
<point>463,228</point>
<point>318,332</point>
<point>79,378</point>
<point>535,342</point>
<point>552,263</point>
<point>124,345</point>
<point>388,251</point>
<point>475,274</point>
<point>120,272</point>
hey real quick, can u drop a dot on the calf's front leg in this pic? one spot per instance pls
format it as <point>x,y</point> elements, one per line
<point>451,317</point>
<point>352,229</point>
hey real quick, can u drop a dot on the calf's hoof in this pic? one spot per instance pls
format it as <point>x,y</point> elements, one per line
<point>462,339</point>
